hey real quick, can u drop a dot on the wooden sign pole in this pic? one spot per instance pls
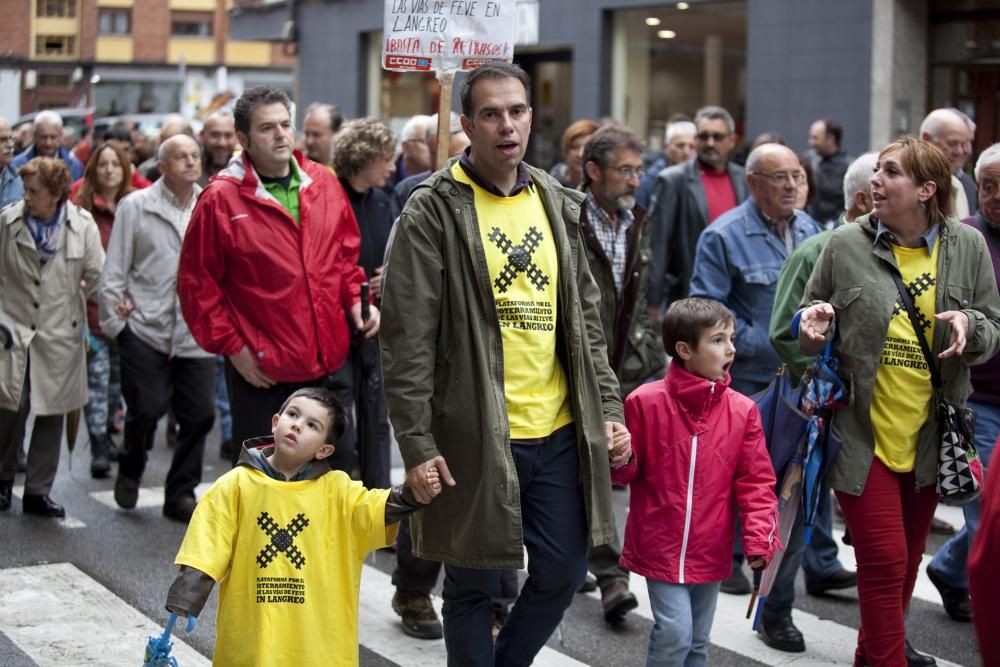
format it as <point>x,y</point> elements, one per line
<point>446,79</point>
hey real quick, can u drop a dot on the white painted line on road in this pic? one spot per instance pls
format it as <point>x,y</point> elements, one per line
<point>827,642</point>
<point>60,617</point>
<point>380,630</point>
<point>151,496</point>
<point>66,522</point>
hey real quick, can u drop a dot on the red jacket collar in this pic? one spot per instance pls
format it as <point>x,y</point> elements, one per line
<point>695,394</point>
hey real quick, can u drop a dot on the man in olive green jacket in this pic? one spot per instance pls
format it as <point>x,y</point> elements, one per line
<point>458,390</point>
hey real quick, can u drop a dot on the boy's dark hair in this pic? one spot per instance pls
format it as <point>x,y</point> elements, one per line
<point>338,421</point>
<point>499,70</point>
<point>253,98</point>
<point>688,318</point>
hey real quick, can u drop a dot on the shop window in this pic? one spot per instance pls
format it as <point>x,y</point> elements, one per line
<point>53,80</point>
<point>114,21</point>
<point>64,9</point>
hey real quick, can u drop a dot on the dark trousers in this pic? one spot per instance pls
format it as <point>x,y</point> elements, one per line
<point>555,534</point>
<point>372,416</point>
<point>46,441</point>
<point>152,384</point>
<point>252,409</point>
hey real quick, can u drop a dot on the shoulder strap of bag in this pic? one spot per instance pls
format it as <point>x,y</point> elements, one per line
<point>911,310</point>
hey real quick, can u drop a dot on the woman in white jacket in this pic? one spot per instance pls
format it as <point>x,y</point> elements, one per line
<point>50,260</point>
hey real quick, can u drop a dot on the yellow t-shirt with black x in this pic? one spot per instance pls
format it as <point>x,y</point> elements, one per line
<point>901,398</point>
<point>524,270</point>
<point>288,558</point>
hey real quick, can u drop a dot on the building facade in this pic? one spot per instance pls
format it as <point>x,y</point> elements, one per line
<point>129,56</point>
<point>875,66</point>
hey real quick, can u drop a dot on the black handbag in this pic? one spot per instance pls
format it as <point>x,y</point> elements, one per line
<point>960,470</point>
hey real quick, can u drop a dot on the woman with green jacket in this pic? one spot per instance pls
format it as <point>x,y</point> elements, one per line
<point>885,473</point>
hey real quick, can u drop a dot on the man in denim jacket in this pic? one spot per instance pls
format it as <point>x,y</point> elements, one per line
<point>740,255</point>
<point>737,262</point>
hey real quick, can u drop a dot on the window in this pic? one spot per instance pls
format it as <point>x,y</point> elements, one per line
<point>53,80</point>
<point>114,21</point>
<point>65,9</point>
<point>55,45</point>
<point>191,24</point>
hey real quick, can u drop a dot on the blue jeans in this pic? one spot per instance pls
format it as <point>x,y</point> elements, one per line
<point>949,562</point>
<point>222,401</point>
<point>682,621</point>
<point>555,533</point>
<point>820,559</point>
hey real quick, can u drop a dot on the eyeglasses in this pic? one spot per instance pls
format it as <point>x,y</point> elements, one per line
<point>627,172</point>
<point>7,140</point>
<point>779,177</point>
<point>714,136</point>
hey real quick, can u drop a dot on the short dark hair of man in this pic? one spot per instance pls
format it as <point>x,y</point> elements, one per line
<point>252,98</point>
<point>687,319</point>
<point>338,421</point>
<point>834,130</point>
<point>492,71</point>
<point>332,110</point>
<point>119,131</point>
<point>600,148</point>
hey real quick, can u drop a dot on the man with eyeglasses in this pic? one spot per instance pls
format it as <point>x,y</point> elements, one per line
<point>415,151</point>
<point>737,262</point>
<point>11,187</point>
<point>687,198</point>
<point>616,241</point>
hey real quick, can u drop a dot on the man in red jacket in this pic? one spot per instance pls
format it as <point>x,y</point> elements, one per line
<point>269,272</point>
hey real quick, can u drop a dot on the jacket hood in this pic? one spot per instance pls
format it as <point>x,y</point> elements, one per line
<point>694,393</point>
<point>254,451</point>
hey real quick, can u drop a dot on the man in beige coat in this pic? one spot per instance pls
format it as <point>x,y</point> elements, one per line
<point>48,249</point>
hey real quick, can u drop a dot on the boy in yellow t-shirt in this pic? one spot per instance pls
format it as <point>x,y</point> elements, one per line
<point>285,537</point>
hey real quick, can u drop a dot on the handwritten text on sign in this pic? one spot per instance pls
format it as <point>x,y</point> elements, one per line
<point>444,35</point>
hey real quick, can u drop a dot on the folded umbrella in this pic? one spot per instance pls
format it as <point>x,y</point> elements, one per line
<point>158,648</point>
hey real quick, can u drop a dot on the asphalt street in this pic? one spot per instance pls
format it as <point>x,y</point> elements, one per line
<point>90,589</point>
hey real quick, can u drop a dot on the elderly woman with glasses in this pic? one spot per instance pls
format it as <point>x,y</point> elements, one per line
<point>50,259</point>
<point>885,473</point>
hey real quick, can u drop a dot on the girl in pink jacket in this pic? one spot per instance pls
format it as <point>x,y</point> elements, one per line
<point>698,453</point>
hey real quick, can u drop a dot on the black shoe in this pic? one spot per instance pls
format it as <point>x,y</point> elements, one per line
<point>126,491</point>
<point>838,580</point>
<point>589,584</point>
<point>915,659</point>
<point>42,506</point>
<point>180,508</point>
<point>6,491</point>
<point>955,600</point>
<point>736,583</point>
<point>617,600</point>
<point>781,634</point>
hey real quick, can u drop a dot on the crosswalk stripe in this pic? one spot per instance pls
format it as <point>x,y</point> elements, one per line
<point>60,617</point>
<point>66,522</point>
<point>379,629</point>
<point>149,496</point>
<point>827,642</point>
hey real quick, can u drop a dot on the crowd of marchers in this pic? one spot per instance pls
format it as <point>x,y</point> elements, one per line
<point>529,338</point>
